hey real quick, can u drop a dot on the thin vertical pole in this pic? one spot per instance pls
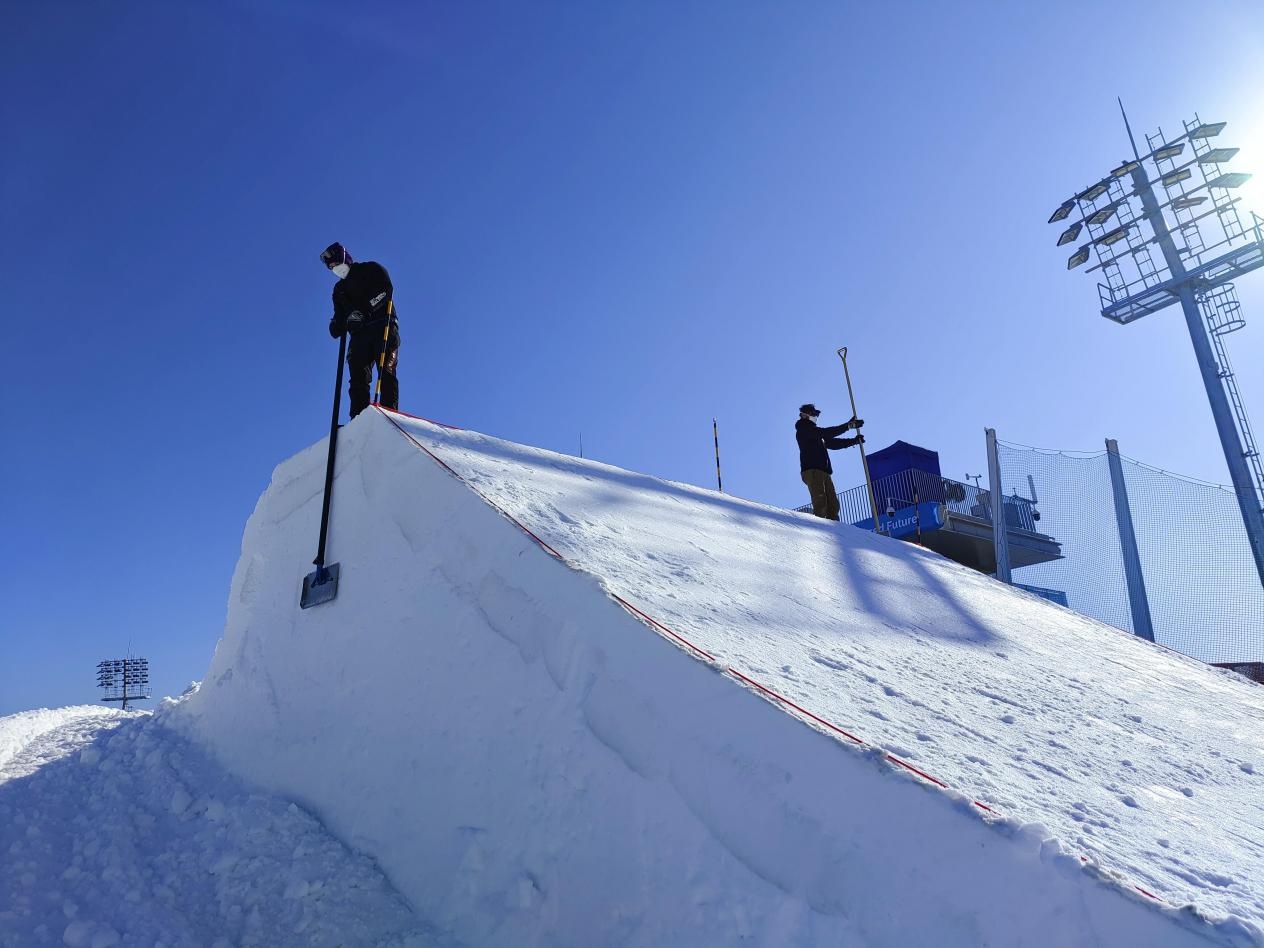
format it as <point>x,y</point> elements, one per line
<point>1137,599</point>
<point>864,462</point>
<point>381,359</point>
<point>917,513</point>
<point>329,462</point>
<point>715,431</point>
<point>1000,529</point>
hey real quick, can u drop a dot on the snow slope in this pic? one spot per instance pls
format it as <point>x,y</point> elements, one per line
<point>116,831</point>
<point>720,761</point>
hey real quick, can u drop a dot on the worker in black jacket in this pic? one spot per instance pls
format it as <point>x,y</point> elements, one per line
<point>364,307</point>
<point>814,446</point>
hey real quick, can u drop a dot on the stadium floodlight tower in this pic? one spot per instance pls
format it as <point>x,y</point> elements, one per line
<point>124,679</point>
<point>1204,244</point>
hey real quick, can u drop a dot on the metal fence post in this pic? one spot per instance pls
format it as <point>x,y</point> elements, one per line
<point>1138,602</point>
<point>1000,534</point>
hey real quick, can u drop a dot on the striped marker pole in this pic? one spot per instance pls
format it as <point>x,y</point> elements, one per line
<point>381,359</point>
<point>715,431</point>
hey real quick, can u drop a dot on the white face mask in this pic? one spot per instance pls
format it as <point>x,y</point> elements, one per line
<point>341,270</point>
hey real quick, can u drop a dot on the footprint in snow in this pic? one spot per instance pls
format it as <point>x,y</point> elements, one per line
<point>830,663</point>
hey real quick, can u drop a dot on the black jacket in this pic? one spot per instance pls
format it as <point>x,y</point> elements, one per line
<point>365,289</point>
<point>814,442</point>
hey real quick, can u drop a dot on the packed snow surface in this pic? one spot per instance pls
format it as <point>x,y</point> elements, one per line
<point>1144,760</point>
<point>532,763</point>
<point>114,831</point>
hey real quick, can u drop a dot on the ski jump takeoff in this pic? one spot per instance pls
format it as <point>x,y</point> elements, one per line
<point>364,307</point>
<point>814,463</point>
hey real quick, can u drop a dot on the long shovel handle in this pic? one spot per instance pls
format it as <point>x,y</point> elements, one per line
<point>864,461</point>
<point>333,450</point>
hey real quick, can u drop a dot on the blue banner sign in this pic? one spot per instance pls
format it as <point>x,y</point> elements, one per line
<point>928,515</point>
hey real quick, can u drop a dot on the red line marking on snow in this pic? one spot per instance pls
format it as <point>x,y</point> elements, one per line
<point>911,769</point>
<point>786,701</point>
<point>655,624</point>
<point>491,503</point>
<point>396,411</point>
<point>661,627</point>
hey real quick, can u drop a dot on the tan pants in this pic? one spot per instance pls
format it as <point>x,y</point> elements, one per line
<point>824,499</point>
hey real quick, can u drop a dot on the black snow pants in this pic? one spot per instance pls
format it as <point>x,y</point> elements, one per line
<point>362,354</point>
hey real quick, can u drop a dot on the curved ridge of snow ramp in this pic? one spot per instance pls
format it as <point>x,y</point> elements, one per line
<point>533,765</point>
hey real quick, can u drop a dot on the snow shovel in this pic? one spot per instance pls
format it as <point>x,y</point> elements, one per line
<point>321,585</point>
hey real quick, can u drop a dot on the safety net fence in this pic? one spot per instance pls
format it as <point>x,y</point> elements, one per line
<point>1203,590</point>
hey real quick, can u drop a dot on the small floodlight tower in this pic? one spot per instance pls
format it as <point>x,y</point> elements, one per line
<point>1204,244</point>
<point>124,679</point>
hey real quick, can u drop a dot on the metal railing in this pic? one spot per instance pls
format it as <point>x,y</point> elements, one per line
<point>899,490</point>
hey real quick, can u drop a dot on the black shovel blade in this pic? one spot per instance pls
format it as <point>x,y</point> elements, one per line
<point>320,586</point>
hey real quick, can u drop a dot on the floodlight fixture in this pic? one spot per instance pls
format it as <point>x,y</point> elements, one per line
<point>1079,258</point>
<point>1063,212</point>
<point>1136,284</point>
<point>1217,156</point>
<point>1090,195</point>
<point>1208,130</point>
<point>1232,179</point>
<point>1102,216</point>
<point>125,679</point>
<point>1070,234</point>
<point>1116,235</point>
<point>1183,203</point>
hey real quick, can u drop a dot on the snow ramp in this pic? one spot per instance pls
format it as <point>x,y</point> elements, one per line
<point>565,704</point>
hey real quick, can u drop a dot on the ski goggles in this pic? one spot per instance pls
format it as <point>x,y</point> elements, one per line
<point>334,254</point>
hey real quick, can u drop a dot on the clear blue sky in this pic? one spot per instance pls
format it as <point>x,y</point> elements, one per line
<point>620,219</point>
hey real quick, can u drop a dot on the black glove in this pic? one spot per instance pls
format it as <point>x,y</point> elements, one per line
<point>852,442</point>
<point>334,329</point>
<point>857,423</point>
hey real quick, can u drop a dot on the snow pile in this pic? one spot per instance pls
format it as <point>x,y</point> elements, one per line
<point>116,831</point>
<point>532,763</point>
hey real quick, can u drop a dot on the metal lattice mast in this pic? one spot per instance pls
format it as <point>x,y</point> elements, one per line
<point>1203,249</point>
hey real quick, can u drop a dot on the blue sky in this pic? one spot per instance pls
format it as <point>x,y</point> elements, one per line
<point>612,219</point>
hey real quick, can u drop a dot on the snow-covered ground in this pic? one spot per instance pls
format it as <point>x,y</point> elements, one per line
<point>115,831</point>
<point>1148,762</point>
<point>533,763</point>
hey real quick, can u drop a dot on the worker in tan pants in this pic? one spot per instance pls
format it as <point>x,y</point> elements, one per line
<point>815,443</point>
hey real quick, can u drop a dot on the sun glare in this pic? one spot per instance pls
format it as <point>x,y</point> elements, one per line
<point>1249,136</point>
